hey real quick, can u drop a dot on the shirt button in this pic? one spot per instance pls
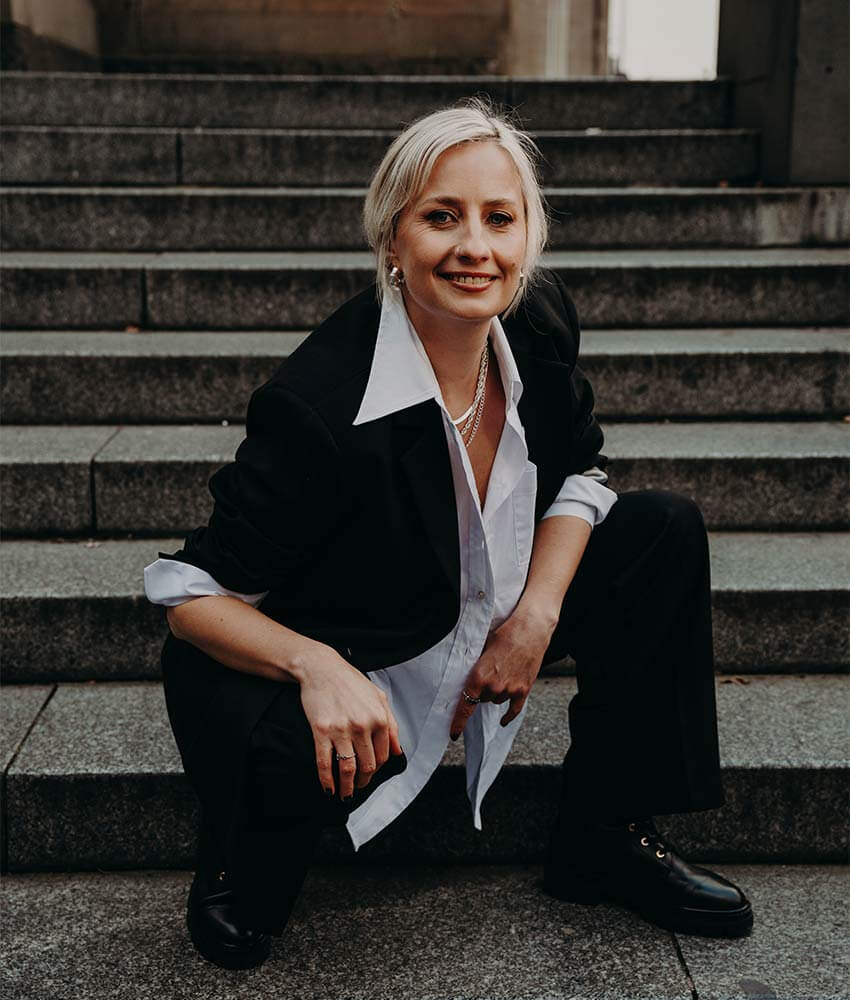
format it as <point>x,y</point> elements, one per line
<point>481,595</point>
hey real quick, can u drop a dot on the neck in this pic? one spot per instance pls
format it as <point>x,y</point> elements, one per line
<point>454,350</point>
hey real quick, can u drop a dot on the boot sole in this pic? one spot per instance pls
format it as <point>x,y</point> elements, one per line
<point>706,923</point>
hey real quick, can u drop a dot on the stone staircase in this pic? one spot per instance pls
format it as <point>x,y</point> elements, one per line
<point>166,241</point>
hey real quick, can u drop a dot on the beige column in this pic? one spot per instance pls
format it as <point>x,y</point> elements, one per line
<point>557,38</point>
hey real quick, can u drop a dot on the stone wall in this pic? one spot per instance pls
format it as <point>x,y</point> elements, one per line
<point>547,38</point>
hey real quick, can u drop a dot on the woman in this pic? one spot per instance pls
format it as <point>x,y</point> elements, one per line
<point>387,562</point>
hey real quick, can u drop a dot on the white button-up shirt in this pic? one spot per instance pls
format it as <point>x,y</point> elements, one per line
<point>495,550</point>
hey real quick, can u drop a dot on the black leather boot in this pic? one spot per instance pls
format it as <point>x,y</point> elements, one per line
<point>215,927</point>
<point>631,864</point>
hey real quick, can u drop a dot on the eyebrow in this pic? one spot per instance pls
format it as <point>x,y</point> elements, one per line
<point>456,202</point>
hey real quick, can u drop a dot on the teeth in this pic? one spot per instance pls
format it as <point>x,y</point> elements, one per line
<point>468,279</point>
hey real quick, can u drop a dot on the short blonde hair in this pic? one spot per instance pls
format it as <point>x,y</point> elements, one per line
<point>407,165</point>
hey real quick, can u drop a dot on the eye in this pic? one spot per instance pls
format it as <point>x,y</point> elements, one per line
<point>500,219</point>
<point>440,217</point>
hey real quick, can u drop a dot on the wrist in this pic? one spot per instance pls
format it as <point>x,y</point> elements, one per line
<point>308,661</point>
<point>540,616</point>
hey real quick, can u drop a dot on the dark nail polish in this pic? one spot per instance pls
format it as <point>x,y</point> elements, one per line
<point>454,736</point>
<point>329,792</point>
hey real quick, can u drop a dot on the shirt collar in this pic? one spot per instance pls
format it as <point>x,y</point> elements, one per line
<point>401,374</point>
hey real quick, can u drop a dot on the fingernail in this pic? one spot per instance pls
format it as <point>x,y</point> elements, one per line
<point>347,798</point>
<point>329,792</point>
<point>455,735</point>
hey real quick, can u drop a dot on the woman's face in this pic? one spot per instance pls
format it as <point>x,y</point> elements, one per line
<point>461,242</point>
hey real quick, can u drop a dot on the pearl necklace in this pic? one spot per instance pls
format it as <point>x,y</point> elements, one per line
<point>472,416</point>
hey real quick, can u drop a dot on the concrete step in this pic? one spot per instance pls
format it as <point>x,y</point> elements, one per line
<point>222,101</point>
<point>151,479</point>
<point>779,605</point>
<point>296,290</point>
<point>70,377</point>
<point>190,218</point>
<point>785,784</point>
<point>366,923</point>
<point>38,154</point>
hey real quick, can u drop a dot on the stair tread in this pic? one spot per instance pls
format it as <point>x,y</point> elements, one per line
<point>358,932</point>
<point>274,343</point>
<point>635,192</point>
<point>121,728</point>
<point>753,561</point>
<point>345,259</point>
<point>147,443</point>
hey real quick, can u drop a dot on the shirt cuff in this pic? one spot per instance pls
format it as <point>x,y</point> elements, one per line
<point>583,495</point>
<point>171,582</point>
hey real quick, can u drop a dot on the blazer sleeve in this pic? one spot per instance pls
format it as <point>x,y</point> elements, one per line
<point>275,503</point>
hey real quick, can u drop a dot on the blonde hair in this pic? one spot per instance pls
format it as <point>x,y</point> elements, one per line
<point>407,165</point>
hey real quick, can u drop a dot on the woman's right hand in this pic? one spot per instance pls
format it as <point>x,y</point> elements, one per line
<point>348,714</point>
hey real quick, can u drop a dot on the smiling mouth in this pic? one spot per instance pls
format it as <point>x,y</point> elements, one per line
<point>469,279</point>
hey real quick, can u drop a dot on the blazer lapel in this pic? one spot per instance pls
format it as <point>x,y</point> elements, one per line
<point>420,442</point>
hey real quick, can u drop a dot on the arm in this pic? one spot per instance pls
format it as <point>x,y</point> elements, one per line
<point>274,505</point>
<point>346,711</point>
<point>514,652</point>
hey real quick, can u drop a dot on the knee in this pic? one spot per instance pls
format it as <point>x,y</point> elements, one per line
<point>680,520</point>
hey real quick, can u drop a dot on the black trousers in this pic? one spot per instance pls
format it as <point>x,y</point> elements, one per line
<point>643,727</point>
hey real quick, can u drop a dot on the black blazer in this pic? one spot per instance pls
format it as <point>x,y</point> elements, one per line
<point>353,530</point>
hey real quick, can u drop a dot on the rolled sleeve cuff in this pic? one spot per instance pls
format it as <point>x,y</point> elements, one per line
<point>171,582</point>
<point>584,496</point>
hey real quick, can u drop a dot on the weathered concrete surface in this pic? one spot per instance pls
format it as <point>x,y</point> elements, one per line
<point>219,218</point>
<point>780,605</point>
<point>46,479</point>
<point>83,377</point>
<point>153,480</point>
<point>288,290</point>
<point>74,376</point>
<point>110,744</point>
<point>362,102</point>
<point>309,158</point>
<point>19,707</point>
<point>369,933</point>
<point>798,948</point>
<point>780,600</point>
<point>322,157</point>
<point>711,373</point>
<point>35,154</point>
<point>99,783</point>
<point>796,474</point>
<point>89,598</point>
<point>54,290</point>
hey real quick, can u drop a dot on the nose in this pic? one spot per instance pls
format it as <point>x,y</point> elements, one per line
<point>473,245</point>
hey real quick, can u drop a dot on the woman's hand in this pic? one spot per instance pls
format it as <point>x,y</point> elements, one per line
<point>508,666</point>
<point>349,715</point>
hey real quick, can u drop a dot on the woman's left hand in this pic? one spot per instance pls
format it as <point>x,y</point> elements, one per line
<point>507,668</point>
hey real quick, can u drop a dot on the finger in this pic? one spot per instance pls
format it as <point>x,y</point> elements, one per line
<point>463,711</point>
<point>347,769</point>
<point>381,744</point>
<point>516,705</point>
<point>324,763</point>
<point>366,765</point>
<point>395,742</point>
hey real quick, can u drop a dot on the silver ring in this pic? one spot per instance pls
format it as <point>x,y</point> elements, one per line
<point>470,699</point>
<point>345,756</point>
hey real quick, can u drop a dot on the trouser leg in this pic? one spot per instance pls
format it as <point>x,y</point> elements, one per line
<point>285,811</point>
<point>637,621</point>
